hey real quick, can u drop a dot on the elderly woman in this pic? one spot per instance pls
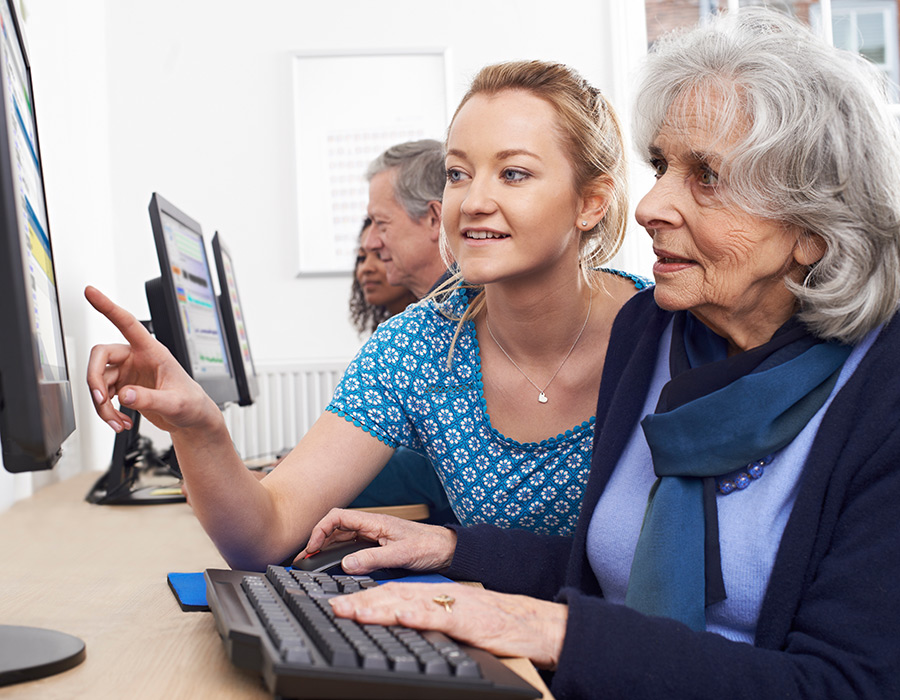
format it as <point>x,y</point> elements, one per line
<point>740,533</point>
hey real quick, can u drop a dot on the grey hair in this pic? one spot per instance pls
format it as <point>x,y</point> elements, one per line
<point>817,149</point>
<point>420,175</point>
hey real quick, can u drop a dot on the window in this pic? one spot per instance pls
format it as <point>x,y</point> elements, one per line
<point>869,28</point>
<point>666,15</point>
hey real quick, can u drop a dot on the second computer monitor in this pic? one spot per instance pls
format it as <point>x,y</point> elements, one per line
<point>235,324</point>
<point>183,306</point>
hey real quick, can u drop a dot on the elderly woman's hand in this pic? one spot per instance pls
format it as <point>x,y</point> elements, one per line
<point>505,625</point>
<point>404,544</point>
<point>144,376</point>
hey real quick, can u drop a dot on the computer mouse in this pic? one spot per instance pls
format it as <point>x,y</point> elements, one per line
<point>331,557</point>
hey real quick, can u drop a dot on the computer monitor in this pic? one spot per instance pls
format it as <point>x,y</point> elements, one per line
<point>183,306</point>
<point>185,317</point>
<point>36,411</point>
<point>235,324</point>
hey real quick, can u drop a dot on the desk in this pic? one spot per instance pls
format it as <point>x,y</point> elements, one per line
<point>99,573</point>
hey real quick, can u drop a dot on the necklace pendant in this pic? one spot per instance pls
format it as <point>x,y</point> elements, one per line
<point>542,398</point>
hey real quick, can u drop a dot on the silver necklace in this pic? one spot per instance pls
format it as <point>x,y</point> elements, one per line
<point>542,396</point>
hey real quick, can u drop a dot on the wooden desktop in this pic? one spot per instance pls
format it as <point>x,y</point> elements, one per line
<point>99,573</point>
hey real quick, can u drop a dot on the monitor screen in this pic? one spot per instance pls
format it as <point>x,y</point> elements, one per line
<point>183,306</point>
<point>235,324</point>
<point>36,411</point>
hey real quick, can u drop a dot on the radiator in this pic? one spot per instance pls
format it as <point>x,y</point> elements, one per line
<point>291,397</point>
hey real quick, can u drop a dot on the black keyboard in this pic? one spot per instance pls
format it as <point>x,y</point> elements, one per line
<point>280,625</point>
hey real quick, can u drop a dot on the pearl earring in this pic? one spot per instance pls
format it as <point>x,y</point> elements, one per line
<point>584,223</point>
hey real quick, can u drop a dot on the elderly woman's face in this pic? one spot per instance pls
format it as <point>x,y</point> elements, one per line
<point>722,264</point>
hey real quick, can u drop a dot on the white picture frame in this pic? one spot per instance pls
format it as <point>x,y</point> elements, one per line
<point>348,108</point>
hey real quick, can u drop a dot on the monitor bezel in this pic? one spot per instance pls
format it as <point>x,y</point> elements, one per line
<point>165,314</point>
<point>33,423</point>
<point>248,386</point>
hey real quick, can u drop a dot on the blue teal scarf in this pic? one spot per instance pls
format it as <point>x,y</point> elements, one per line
<point>716,415</point>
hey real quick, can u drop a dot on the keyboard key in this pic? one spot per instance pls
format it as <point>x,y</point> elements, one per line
<point>296,655</point>
<point>435,665</point>
<point>403,661</point>
<point>374,659</point>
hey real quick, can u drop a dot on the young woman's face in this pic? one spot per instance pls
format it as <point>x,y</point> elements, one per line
<point>372,278</point>
<point>510,206</point>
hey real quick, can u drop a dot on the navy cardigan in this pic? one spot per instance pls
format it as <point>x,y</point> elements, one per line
<point>829,626</point>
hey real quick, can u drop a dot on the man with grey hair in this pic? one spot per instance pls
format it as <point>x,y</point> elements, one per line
<point>406,185</point>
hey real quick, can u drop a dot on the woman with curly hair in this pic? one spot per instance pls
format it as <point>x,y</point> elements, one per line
<point>372,298</point>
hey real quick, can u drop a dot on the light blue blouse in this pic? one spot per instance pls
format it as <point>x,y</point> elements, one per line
<point>399,389</point>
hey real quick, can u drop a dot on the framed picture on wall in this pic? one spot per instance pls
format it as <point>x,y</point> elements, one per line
<point>348,108</point>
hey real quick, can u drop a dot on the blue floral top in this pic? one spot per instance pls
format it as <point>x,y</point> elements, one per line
<point>399,389</point>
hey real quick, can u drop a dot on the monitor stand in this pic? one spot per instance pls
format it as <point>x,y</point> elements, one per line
<point>29,653</point>
<point>119,485</point>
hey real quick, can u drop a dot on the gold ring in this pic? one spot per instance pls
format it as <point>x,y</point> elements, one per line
<point>446,601</point>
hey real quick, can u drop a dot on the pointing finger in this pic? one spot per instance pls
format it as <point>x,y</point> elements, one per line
<point>132,329</point>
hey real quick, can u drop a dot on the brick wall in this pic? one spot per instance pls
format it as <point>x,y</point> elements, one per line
<point>665,15</point>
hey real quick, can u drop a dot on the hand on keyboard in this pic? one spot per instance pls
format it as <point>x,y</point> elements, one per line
<point>503,624</point>
<point>404,544</point>
<point>281,626</point>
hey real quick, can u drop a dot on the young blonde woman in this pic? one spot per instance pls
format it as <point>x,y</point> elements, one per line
<point>496,381</point>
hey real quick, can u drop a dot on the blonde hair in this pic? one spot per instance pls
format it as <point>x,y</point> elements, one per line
<point>592,138</point>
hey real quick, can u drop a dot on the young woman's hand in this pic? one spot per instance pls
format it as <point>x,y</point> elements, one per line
<point>144,376</point>
<point>404,544</point>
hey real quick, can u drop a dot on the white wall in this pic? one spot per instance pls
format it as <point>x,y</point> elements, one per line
<point>192,98</point>
<point>200,109</point>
